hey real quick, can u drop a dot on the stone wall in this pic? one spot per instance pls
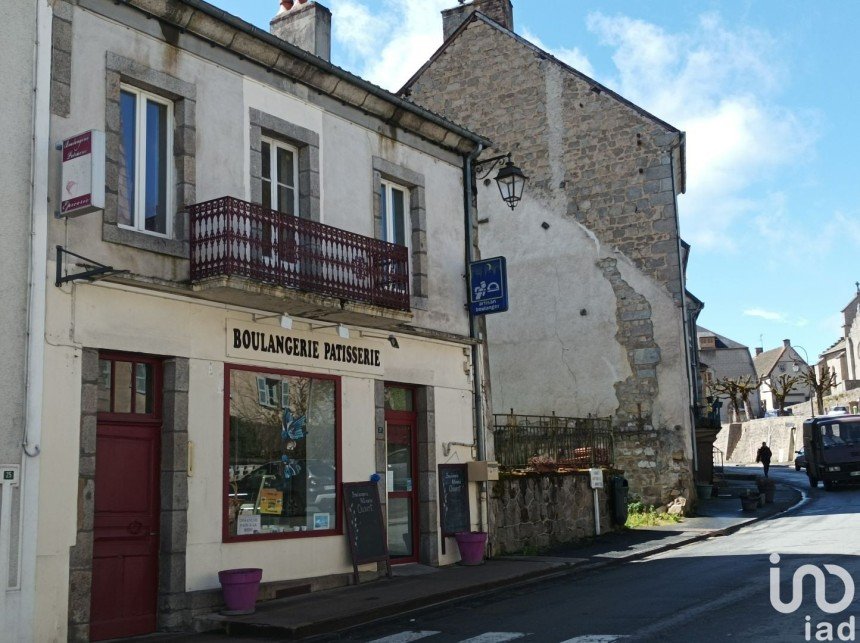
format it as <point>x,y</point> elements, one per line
<point>537,511</point>
<point>655,463</point>
<point>740,441</point>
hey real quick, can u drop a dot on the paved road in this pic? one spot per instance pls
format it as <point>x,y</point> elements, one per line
<point>714,590</point>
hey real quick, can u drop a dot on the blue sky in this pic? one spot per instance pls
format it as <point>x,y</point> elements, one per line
<point>767,93</point>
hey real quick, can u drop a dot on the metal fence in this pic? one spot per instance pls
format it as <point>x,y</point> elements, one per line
<point>564,441</point>
<point>231,237</point>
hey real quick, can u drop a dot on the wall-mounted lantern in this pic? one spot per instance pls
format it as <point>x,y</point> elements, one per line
<point>510,178</point>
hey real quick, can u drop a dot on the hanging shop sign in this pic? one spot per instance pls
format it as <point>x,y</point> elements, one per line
<point>289,348</point>
<point>488,286</point>
<point>83,175</point>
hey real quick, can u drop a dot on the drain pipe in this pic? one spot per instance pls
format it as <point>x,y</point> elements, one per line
<point>473,332</point>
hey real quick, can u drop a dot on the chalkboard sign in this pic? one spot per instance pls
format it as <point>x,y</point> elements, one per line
<point>365,528</point>
<point>453,499</point>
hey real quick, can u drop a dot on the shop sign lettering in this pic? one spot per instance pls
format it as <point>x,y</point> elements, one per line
<point>302,349</point>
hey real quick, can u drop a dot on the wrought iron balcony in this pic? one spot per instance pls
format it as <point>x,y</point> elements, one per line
<point>234,238</point>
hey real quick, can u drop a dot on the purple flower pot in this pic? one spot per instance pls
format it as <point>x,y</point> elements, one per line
<point>240,588</point>
<point>471,546</point>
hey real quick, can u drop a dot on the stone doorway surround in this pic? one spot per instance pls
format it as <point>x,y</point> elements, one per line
<point>173,610</point>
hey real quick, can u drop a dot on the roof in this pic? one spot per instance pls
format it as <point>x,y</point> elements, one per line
<point>765,362</point>
<point>220,28</point>
<point>478,15</point>
<point>722,342</point>
<point>835,349</point>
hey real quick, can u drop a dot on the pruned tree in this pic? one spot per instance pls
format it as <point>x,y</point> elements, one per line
<point>747,385</point>
<point>781,388</point>
<point>819,383</point>
<point>728,387</point>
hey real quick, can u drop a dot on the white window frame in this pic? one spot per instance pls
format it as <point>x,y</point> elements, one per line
<point>139,225</point>
<point>388,232</point>
<point>274,144</point>
<point>268,392</point>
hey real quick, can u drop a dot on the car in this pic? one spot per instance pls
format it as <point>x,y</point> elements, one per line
<point>838,410</point>
<point>800,460</point>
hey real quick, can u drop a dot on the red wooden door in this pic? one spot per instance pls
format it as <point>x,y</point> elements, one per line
<point>127,494</point>
<point>402,475</point>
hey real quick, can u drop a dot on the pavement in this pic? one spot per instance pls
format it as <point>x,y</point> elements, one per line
<point>418,586</point>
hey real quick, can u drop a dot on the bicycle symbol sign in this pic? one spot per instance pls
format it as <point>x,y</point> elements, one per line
<point>488,286</point>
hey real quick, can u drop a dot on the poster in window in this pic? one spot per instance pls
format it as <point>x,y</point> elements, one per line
<point>271,501</point>
<point>322,520</point>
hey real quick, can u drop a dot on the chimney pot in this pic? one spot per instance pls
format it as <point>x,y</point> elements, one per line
<point>786,342</point>
<point>759,350</point>
<point>500,11</point>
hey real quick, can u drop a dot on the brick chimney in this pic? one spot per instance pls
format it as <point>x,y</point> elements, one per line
<point>305,24</point>
<point>499,10</point>
<point>786,342</point>
<point>759,350</point>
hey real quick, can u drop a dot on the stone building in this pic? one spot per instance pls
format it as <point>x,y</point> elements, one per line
<point>597,321</point>
<point>851,335</point>
<point>726,358</point>
<point>267,305</point>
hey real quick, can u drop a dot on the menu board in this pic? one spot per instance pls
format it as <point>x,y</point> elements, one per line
<point>453,499</point>
<point>365,528</point>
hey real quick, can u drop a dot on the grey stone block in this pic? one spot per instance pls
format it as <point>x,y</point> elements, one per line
<point>60,98</point>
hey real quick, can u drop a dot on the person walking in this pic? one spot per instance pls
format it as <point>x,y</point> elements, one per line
<point>764,455</point>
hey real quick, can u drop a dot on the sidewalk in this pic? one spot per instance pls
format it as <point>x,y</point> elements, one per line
<point>416,586</point>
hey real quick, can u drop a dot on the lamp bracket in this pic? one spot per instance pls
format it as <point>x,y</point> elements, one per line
<point>493,161</point>
<point>94,269</point>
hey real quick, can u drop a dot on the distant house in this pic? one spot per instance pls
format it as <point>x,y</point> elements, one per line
<point>779,361</point>
<point>721,357</point>
<point>835,358</point>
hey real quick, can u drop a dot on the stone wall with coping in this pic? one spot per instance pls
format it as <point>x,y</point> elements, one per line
<point>536,511</point>
<point>740,441</point>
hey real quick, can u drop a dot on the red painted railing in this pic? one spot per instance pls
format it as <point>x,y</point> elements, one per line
<point>230,237</point>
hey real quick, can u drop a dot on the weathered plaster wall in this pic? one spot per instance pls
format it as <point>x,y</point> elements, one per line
<point>538,511</point>
<point>595,320</point>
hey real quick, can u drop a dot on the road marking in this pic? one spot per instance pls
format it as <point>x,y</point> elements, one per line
<point>405,637</point>
<point>595,638</point>
<point>494,637</point>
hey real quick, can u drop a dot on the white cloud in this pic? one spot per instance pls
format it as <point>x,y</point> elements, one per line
<point>764,314</point>
<point>714,83</point>
<point>390,42</point>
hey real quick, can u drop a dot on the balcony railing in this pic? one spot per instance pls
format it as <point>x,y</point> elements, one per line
<point>234,238</point>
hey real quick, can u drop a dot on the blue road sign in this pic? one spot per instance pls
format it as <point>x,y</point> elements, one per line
<point>488,286</point>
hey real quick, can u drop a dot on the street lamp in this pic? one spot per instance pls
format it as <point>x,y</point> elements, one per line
<point>510,178</point>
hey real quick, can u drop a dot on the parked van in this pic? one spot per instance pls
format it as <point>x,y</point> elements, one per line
<point>832,448</point>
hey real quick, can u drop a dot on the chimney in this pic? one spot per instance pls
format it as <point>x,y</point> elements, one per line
<point>500,11</point>
<point>759,350</point>
<point>786,342</point>
<point>305,24</point>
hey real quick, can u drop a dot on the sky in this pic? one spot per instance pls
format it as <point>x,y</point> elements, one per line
<point>767,93</point>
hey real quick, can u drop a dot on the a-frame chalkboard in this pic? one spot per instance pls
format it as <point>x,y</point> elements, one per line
<point>365,526</point>
<point>453,500</point>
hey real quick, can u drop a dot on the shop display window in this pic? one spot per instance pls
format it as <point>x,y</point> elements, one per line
<point>281,453</point>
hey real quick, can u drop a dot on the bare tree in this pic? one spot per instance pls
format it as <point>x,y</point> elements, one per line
<point>819,383</point>
<point>781,388</point>
<point>729,387</point>
<point>746,386</point>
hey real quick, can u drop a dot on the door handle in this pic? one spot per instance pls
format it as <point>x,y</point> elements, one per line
<point>153,533</point>
<point>135,527</point>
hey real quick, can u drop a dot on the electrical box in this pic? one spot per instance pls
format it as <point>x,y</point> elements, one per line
<point>482,471</point>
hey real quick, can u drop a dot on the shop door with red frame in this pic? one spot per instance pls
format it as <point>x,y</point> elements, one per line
<point>127,498</point>
<point>402,475</point>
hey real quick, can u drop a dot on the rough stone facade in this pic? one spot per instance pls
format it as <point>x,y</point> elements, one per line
<point>535,512</point>
<point>596,285</point>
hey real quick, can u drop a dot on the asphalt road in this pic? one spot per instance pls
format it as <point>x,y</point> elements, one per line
<point>714,590</point>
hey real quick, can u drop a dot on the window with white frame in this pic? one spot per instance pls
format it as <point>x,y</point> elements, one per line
<point>146,162</point>
<point>280,177</point>
<point>394,201</point>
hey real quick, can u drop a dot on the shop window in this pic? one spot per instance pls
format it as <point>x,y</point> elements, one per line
<point>282,454</point>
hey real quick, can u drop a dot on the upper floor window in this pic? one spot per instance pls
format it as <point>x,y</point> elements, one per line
<point>394,200</point>
<point>279,177</point>
<point>146,155</point>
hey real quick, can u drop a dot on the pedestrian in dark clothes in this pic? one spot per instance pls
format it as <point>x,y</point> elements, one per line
<point>764,455</point>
